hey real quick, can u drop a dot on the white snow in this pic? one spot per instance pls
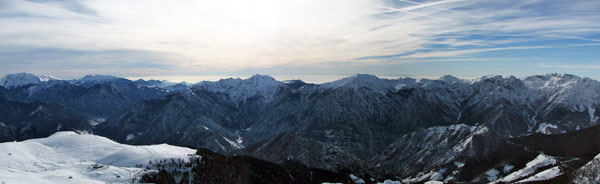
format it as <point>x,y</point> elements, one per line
<point>540,161</point>
<point>429,176</point>
<point>356,179</point>
<point>19,79</point>
<point>234,144</point>
<point>492,174</point>
<point>239,140</point>
<point>544,128</point>
<point>130,137</point>
<point>67,154</point>
<point>363,80</point>
<point>439,175</point>
<point>591,112</point>
<point>47,78</point>
<point>544,175</point>
<point>481,130</point>
<point>391,182</point>
<point>566,89</point>
<point>508,168</point>
<point>434,182</point>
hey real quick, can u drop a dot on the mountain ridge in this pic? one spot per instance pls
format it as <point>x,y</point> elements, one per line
<point>362,118</point>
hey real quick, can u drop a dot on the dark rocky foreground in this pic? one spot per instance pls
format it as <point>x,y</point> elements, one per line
<point>212,167</point>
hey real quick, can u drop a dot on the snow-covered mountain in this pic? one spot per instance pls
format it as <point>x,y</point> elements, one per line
<point>164,84</point>
<point>68,157</point>
<point>262,86</point>
<point>90,80</point>
<point>412,129</point>
<point>95,96</point>
<point>23,79</point>
<point>363,115</point>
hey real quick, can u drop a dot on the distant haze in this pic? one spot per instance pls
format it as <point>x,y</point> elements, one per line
<point>317,79</point>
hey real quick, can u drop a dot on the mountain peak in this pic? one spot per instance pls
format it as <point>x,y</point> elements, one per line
<point>258,77</point>
<point>449,78</point>
<point>22,79</point>
<point>296,83</point>
<point>90,80</point>
<point>240,89</point>
<point>359,81</point>
<point>490,78</point>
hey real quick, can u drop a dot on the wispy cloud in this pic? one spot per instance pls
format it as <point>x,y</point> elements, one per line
<point>228,35</point>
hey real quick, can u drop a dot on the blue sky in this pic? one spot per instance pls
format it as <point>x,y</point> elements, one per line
<point>192,39</point>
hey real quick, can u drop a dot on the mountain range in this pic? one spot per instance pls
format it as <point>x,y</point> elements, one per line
<point>489,129</point>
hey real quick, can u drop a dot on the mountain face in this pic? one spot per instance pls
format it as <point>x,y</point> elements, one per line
<point>162,84</point>
<point>23,79</point>
<point>430,149</point>
<point>20,121</point>
<point>392,124</point>
<point>289,147</point>
<point>94,96</point>
<point>209,111</point>
<point>210,167</point>
<point>414,130</point>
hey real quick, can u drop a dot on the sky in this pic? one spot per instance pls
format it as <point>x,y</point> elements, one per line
<point>318,40</point>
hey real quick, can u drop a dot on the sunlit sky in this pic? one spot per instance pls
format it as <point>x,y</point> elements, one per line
<point>194,40</point>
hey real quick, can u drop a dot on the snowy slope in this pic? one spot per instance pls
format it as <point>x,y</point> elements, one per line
<point>531,167</point>
<point>23,79</point>
<point>67,154</point>
<point>365,81</point>
<point>90,80</point>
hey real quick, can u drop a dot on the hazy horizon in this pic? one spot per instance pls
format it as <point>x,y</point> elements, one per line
<point>315,79</point>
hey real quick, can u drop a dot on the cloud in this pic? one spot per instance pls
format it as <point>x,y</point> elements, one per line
<point>227,35</point>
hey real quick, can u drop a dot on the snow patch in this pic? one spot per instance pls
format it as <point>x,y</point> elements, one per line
<point>130,137</point>
<point>508,168</point>
<point>356,179</point>
<point>540,161</point>
<point>544,128</point>
<point>391,182</point>
<point>233,144</point>
<point>591,112</point>
<point>492,174</point>
<point>19,79</point>
<point>544,175</point>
